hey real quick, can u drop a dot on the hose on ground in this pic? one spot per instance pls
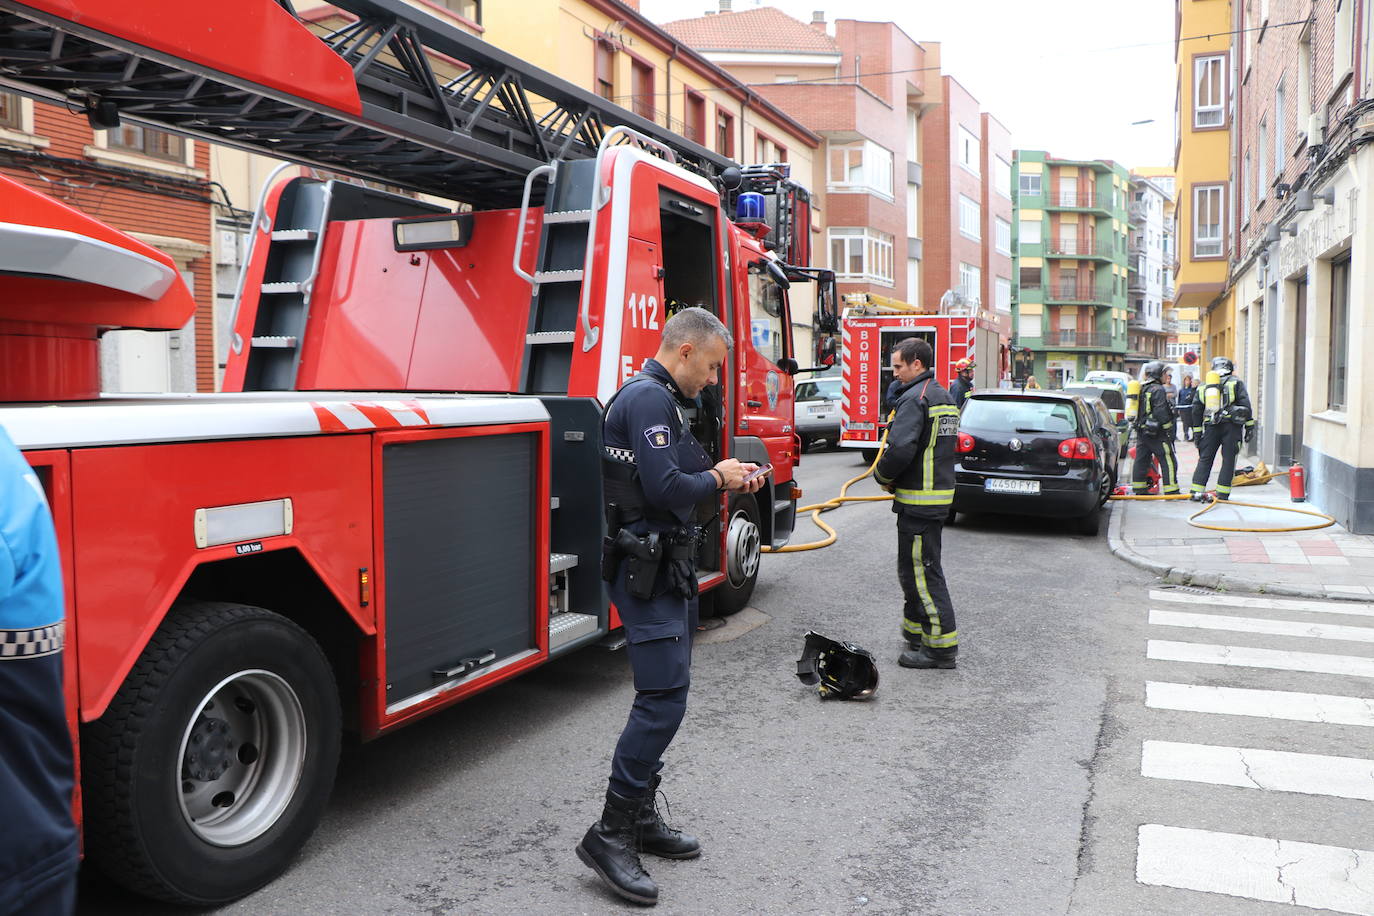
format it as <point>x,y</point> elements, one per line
<point>1192,519</point>
<point>817,508</point>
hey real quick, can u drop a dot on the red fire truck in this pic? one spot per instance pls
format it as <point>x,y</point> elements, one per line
<point>869,327</point>
<point>397,502</point>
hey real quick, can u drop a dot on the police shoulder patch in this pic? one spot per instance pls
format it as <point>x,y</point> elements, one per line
<point>658,436</point>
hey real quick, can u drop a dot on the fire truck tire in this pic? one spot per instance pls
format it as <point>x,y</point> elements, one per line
<point>743,542</point>
<point>214,761</point>
<point>868,455</point>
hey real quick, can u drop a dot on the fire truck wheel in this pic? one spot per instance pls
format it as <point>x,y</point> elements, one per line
<point>742,553</point>
<point>213,763</point>
<point>868,455</point>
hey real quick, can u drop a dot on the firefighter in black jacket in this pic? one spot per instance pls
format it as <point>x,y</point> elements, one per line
<point>1154,433</point>
<point>656,474</point>
<point>1221,416</point>
<point>917,467</point>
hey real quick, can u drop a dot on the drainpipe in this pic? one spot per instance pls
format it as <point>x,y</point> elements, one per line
<point>668,86</point>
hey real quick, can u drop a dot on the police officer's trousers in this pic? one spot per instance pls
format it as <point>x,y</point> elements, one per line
<point>659,642</point>
<point>928,613</point>
<point>1148,449</point>
<point>1226,437</point>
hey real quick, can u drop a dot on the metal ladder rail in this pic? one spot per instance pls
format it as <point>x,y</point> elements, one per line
<point>471,139</point>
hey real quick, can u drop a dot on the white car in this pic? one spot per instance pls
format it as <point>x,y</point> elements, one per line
<point>818,411</point>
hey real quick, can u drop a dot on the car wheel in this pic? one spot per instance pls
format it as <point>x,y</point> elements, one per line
<point>952,518</point>
<point>1107,487</point>
<point>1091,523</point>
<point>212,765</point>
<point>743,543</point>
<point>869,454</point>
<point>805,442</point>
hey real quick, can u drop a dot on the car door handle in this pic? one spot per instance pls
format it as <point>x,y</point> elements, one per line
<point>753,403</point>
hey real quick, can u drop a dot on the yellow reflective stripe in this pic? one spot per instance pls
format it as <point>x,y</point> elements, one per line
<point>910,626</point>
<point>947,641</point>
<point>924,497</point>
<point>943,410</point>
<point>1171,469</point>
<point>927,602</point>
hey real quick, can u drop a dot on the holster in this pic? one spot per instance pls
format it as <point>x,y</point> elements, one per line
<point>642,557</point>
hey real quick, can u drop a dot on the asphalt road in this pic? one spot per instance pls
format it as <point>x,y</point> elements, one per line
<point>1010,785</point>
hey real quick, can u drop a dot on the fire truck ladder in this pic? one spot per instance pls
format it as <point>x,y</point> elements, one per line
<point>472,138</point>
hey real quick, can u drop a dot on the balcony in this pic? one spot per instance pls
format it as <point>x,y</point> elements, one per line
<point>1076,294</point>
<point>1168,293</point>
<point>1069,337</point>
<point>1071,200</point>
<point>1079,248</point>
<point>1170,325</point>
<point>1138,211</point>
<point>1139,322</point>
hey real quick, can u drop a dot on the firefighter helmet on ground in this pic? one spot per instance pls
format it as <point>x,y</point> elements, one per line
<point>838,670</point>
<point>1222,365</point>
<point>1155,370</point>
<point>964,364</point>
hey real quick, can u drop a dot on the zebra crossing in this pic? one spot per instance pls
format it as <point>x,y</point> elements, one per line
<point>1203,636</point>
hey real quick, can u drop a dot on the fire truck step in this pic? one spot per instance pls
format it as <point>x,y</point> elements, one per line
<point>283,288</point>
<point>280,343</point>
<point>550,337</point>
<point>557,276</point>
<point>295,235</point>
<point>564,628</point>
<point>568,216</point>
<point>561,561</point>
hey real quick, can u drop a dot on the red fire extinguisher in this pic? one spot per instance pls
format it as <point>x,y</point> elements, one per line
<point>1297,485</point>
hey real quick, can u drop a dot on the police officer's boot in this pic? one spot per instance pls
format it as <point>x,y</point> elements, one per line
<point>925,658</point>
<point>608,848</point>
<point>656,837</point>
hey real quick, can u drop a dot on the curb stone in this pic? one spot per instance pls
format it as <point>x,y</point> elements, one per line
<point>1176,575</point>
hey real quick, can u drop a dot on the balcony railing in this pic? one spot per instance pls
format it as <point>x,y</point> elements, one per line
<point>1086,248</point>
<point>1083,293</point>
<point>1138,211</point>
<point>1066,337</point>
<point>1170,326</point>
<point>1081,200</point>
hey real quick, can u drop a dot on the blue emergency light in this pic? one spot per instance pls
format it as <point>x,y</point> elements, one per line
<point>750,208</point>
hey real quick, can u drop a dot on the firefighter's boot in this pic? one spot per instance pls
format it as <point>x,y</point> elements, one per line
<point>608,848</point>
<point>658,839</point>
<point>925,658</point>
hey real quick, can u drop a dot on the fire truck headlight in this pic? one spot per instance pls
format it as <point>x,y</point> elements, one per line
<point>243,522</point>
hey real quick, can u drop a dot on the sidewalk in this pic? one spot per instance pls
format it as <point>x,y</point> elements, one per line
<point>1155,535</point>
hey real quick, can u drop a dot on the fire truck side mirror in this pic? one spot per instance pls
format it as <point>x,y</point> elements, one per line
<point>778,274</point>
<point>789,365</point>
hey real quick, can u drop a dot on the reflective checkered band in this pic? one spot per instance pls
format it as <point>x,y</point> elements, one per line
<point>624,455</point>
<point>33,643</point>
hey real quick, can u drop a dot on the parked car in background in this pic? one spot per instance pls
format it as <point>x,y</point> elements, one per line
<point>1103,377</point>
<point>1114,402</point>
<point>818,411</point>
<point>1037,453</point>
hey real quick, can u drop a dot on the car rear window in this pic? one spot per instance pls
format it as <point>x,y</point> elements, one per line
<point>1110,396</point>
<point>1020,414</point>
<point>820,388</point>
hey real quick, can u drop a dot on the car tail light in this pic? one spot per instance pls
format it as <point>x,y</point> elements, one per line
<point>1081,449</point>
<point>964,444</point>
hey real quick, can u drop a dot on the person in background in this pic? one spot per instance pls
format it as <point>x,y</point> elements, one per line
<point>962,385</point>
<point>1186,394</point>
<point>1031,382</point>
<point>38,846</point>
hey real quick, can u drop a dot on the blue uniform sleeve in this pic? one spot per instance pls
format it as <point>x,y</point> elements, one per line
<point>30,572</point>
<point>653,426</point>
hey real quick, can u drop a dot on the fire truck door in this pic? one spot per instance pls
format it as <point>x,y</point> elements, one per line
<point>645,312</point>
<point>767,386</point>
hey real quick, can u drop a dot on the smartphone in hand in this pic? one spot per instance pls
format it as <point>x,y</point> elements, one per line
<point>754,475</point>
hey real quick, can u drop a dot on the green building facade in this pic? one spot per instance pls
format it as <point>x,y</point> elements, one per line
<point>1069,230</point>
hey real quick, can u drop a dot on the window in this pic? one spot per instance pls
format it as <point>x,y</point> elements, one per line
<point>1262,163</point>
<point>766,315</point>
<point>1029,278</point>
<point>150,142</point>
<point>1027,326</point>
<point>864,165</point>
<point>1340,331</point>
<point>1002,290</point>
<point>725,133</point>
<point>766,151</point>
<point>971,282</point>
<point>1343,41</point>
<point>970,217</point>
<point>913,212</point>
<point>1304,77</point>
<point>1208,208</point>
<point>1279,133</point>
<point>913,136</point>
<point>695,116</point>
<point>642,75</point>
<point>861,254</point>
<point>1029,185</point>
<point>11,114</point>
<point>1029,232</point>
<point>1209,91</point>
<point>1001,181</point>
<point>605,69</point>
<point>1247,189</point>
<point>1003,239</point>
<point>470,10</point>
<point>970,153</point>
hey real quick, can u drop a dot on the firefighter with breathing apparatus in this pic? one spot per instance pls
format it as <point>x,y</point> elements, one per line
<point>1221,416</point>
<point>1153,419</point>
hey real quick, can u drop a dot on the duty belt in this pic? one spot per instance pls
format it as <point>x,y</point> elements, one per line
<point>624,455</point>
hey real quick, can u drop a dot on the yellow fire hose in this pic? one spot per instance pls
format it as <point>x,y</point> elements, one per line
<point>817,508</point>
<point>1248,482</point>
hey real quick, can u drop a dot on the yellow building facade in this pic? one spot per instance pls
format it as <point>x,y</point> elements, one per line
<point>1202,173</point>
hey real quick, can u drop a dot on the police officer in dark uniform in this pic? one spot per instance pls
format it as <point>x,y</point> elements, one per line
<point>917,467</point>
<point>1221,416</point>
<point>1154,433</point>
<point>38,845</point>
<point>656,474</point>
